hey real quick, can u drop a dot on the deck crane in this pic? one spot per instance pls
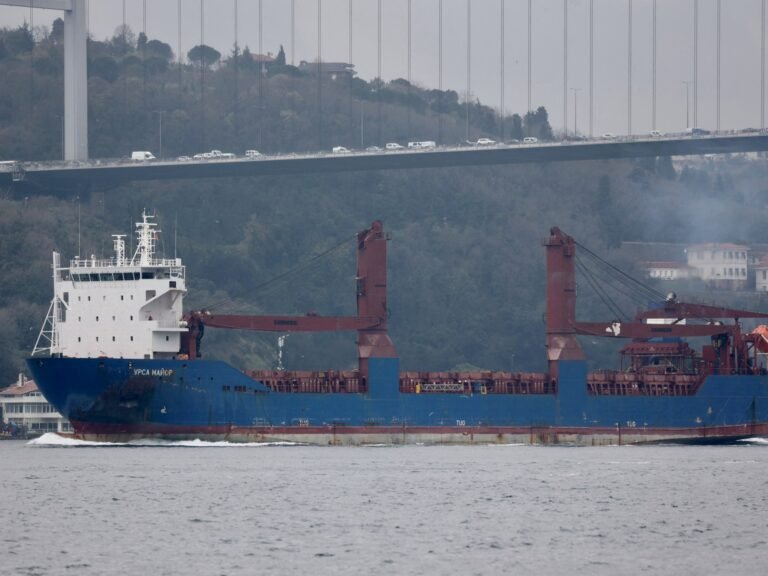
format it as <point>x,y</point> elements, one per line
<point>656,333</point>
<point>370,322</point>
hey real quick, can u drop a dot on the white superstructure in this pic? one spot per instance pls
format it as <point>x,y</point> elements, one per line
<point>118,308</point>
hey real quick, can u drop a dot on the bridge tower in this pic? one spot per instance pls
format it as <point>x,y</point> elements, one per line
<point>75,72</point>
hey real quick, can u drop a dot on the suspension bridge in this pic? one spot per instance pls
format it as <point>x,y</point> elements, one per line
<point>715,52</point>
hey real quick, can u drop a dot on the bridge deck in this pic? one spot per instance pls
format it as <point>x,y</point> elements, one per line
<point>106,172</point>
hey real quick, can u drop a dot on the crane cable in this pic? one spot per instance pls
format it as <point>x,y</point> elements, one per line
<point>605,276</point>
<point>624,278</point>
<point>301,267</point>
<point>599,290</point>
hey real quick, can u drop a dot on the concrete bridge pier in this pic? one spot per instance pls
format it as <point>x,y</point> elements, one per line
<point>75,72</point>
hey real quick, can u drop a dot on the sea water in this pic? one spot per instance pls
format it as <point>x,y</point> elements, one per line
<point>201,508</point>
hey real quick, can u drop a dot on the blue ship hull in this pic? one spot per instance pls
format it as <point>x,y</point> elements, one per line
<point>119,400</point>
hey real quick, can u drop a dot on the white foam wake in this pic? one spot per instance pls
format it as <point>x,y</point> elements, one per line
<point>52,439</point>
<point>755,440</point>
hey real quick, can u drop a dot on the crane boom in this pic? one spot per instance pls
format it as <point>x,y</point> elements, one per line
<point>308,323</point>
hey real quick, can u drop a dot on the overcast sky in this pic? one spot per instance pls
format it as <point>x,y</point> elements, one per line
<point>740,68</point>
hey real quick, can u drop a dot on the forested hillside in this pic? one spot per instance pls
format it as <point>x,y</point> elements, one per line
<point>137,87</point>
<point>466,265</point>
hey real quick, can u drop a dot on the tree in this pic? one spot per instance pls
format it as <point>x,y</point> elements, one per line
<point>57,32</point>
<point>445,101</point>
<point>204,54</point>
<point>123,40</point>
<point>156,65</point>
<point>280,60</point>
<point>141,43</point>
<point>664,168</point>
<point>158,49</point>
<point>517,127</point>
<point>19,40</point>
<point>245,61</point>
<point>104,67</point>
<point>537,124</point>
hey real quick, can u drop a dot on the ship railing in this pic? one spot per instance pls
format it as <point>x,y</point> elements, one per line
<point>303,382</point>
<point>472,383</point>
<point>613,383</point>
<point>466,383</point>
<point>173,263</point>
<point>166,324</point>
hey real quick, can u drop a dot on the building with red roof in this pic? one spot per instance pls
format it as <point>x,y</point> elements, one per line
<point>26,412</point>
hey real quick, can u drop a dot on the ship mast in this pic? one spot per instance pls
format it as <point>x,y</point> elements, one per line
<point>561,301</point>
<point>119,245</point>
<point>146,235</point>
<point>48,338</point>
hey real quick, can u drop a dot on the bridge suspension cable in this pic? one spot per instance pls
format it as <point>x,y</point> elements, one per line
<point>202,73</point>
<point>319,74</point>
<point>349,60</point>
<point>695,63</point>
<point>409,67</point>
<point>31,100</point>
<point>440,71</point>
<point>653,75</point>
<point>469,62</point>
<point>530,45</point>
<point>591,66</point>
<point>236,50</point>
<point>124,91</point>
<point>719,21</point>
<point>178,53</point>
<point>502,22</point>
<point>378,75</point>
<point>144,57</point>
<point>260,77</point>
<point>629,67</point>
<point>565,67</point>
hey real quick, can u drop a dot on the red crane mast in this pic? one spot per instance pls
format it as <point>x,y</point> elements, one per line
<point>370,322</point>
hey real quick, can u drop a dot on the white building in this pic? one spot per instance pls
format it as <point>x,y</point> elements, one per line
<point>761,275</point>
<point>24,408</point>
<point>669,270</point>
<point>721,266</point>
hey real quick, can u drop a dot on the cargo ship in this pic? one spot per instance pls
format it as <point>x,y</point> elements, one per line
<point>120,358</point>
